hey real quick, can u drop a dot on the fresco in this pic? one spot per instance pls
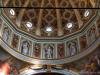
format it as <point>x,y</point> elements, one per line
<point>0,23</point>
<point>37,50</point>
<point>91,35</point>
<point>83,42</point>
<point>9,64</point>
<point>15,41</point>
<point>90,65</point>
<point>61,51</point>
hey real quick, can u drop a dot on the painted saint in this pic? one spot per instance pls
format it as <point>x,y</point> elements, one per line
<point>83,42</point>
<point>60,49</point>
<point>37,50</point>
<point>0,23</point>
<point>15,41</point>
<point>91,35</point>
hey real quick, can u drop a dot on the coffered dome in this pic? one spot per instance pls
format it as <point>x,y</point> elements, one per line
<point>60,36</point>
<point>50,18</point>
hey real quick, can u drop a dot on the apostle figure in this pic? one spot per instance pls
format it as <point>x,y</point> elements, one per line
<point>0,23</point>
<point>92,35</point>
<point>49,52</point>
<point>15,41</point>
<point>25,48</point>
<point>37,50</point>
<point>60,50</point>
<point>72,48</point>
<point>6,34</point>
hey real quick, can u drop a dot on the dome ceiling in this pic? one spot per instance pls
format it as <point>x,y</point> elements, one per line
<point>47,18</point>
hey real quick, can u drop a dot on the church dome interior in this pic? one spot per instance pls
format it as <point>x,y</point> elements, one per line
<point>49,37</point>
<point>44,20</point>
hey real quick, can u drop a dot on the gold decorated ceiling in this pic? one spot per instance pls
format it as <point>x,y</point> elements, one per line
<point>57,19</point>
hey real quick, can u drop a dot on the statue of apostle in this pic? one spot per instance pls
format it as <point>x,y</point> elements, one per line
<point>25,48</point>
<point>6,34</point>
<point>49,52</point>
